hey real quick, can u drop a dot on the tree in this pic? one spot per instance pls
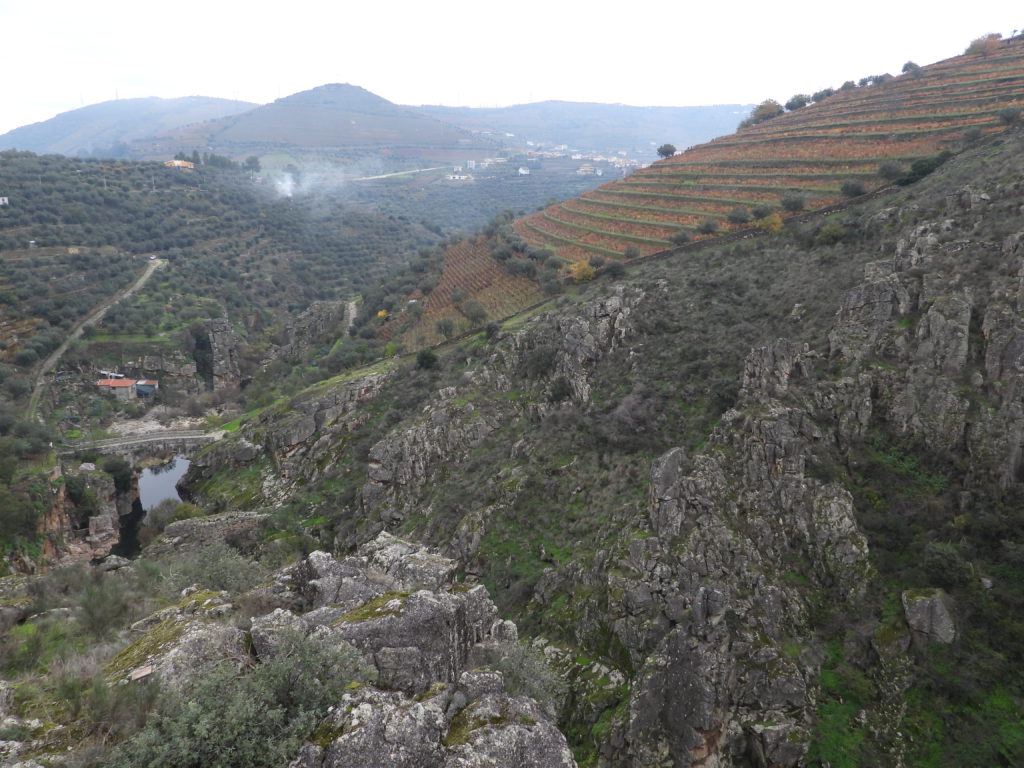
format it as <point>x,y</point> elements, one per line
<point>581,272</point>
<point>910,68</point>
<point>426,359</point>
<point>708,227</point>
<point>738,215</point>
<point>890,170</point>
<point>252,164</point>
<point>798,101</point>
<point>793,203</point>
<point>985,45</point>
<point>1009,115</point>
<point>666,150</point>
<point>852,188</point>
<point>446,326</point>
<point>474,312</point>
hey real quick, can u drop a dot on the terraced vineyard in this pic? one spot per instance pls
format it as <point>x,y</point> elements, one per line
<point>805,155</point>
<point>470,269</point>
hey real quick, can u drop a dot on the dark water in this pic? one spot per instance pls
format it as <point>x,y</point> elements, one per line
<point>157,483</point>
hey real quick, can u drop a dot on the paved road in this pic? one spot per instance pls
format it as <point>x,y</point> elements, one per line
<point>76,331</point>
<point>399,173</point>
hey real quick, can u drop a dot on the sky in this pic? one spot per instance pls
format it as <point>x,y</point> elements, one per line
<point>60,55</point>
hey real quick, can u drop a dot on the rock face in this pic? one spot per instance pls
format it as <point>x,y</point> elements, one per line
<point>217,353</point>
<point>928,616</point>
<point>311,326</point>
<point>400,606</point>
<point>87,532</point>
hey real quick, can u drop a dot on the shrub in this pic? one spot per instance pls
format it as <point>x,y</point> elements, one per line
<point>526,672</point>
<point>708,227</point>
<point>771,223</point>
<point>852,188</point>
<point>215,566</point>
<point>972,135</point>
<point>921,168</point>
<point>680,238</point>
<point>739,215</point>
<point>890,170</point>
<point>1009,115</point>
<point>561,390</point>
<point>581,272</point>
<point>257,720</point>
<point>793,202</point>
<point>830,233</point>
<point>426,359</point>
<point>615,269</point>
<point>631,252</point>
<point>760,211</point>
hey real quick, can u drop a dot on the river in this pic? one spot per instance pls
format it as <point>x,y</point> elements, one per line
<point>157,483</point>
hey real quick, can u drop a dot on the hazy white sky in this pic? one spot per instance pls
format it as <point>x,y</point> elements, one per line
<point>63,54</point>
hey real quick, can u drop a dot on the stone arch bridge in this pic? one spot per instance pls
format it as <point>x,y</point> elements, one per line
<point>133,447</point>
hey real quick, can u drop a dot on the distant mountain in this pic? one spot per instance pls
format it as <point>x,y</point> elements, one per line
<point>599,127</point>
<point>335,119</point>
<point>100,129</point>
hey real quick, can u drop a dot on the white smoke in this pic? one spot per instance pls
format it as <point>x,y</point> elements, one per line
<point>285,185</point>
<point>321,178</point>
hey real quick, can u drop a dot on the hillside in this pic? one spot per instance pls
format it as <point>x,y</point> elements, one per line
<point>334,120</point>
<point>74,232</point>
<point>604,128</point>
<point>102,129</point>
<point>781,474</point>
<point>856,136</point>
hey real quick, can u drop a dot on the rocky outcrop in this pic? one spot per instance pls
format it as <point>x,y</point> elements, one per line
<point>217,354</point>
<point>89,530</point>
<point>928,616</point>
<point>418,631</point>
<point>198,531</point>
<point>311,326</point>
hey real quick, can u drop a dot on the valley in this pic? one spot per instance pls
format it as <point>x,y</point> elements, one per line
<point>714,462</point>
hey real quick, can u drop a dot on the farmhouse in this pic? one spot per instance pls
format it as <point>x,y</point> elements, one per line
<point>121,388</point>
<point>124,389</point>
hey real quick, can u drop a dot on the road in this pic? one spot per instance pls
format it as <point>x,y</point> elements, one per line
<point>76,331</point>
<point>399,173</point>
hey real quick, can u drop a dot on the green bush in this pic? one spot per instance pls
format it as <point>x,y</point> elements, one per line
<point>890,170</point>
<point>426,358</point>
<point>231,720</point>
<point>708,227</point>
<point>793,203</point>
<point>526,672</point>
<point>680,238</point>
<point>738,215</point>
<point>852,188</point>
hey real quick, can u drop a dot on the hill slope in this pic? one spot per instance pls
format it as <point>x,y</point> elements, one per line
<point>800,159</point>
<point>762,501</point>
<point>100,128</point>
<point>337,118</point>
